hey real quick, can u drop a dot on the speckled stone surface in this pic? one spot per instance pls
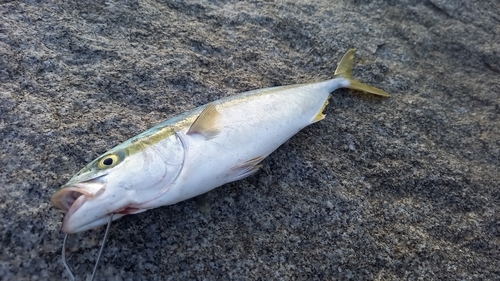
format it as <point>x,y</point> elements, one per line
<point>405,188</point>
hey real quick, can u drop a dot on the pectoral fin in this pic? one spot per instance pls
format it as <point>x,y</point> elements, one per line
<point>207,123</point>
<point>245,169</point>
<point>203,203</point>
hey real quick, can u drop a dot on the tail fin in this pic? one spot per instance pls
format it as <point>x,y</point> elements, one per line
<point>344,70</point>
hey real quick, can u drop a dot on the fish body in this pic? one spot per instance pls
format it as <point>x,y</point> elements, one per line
<point>196,151</point>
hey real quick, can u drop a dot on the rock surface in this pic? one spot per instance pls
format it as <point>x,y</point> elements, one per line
<point>404,188</point>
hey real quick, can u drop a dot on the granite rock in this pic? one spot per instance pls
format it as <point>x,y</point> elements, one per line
<point>405,188</point>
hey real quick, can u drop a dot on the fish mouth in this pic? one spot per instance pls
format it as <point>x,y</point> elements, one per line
<point>85,209</point>
<point>71,192</point>
<point>71,199</point>
<point>66,197</point>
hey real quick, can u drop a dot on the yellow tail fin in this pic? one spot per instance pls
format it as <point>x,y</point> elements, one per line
<point>344,70</point>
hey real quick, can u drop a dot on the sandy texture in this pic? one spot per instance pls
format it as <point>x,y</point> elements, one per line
<point>405,188</point>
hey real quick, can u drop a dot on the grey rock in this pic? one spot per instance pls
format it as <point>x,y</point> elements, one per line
<point>405,188</point>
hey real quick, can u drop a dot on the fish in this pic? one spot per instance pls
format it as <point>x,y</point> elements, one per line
<point>192,153</point>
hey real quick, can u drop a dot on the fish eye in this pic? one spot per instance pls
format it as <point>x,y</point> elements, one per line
<point>108,161</point>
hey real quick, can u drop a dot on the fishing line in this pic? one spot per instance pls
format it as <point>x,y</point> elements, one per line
<point>102,247</point>
<point>72,277</point>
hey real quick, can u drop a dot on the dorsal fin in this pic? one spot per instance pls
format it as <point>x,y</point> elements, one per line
<point>207,123</point>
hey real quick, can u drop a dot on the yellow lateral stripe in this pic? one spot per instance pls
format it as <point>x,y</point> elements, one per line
<point>150,140</point>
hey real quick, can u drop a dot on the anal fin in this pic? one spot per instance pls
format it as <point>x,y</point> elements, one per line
<point>320,116</point>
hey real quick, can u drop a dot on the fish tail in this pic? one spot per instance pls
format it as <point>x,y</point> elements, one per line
<point>344,70</point>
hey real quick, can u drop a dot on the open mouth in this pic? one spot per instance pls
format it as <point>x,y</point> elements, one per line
<point>80,216</point>
<point>71,198</point>
<point>70,193</point>
<point>65,200</point>
<point>66,197</point>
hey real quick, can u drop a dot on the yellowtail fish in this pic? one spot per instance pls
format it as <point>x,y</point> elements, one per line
<point>195,152</point>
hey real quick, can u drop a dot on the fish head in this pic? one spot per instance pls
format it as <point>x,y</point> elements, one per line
<point>119,181</point>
